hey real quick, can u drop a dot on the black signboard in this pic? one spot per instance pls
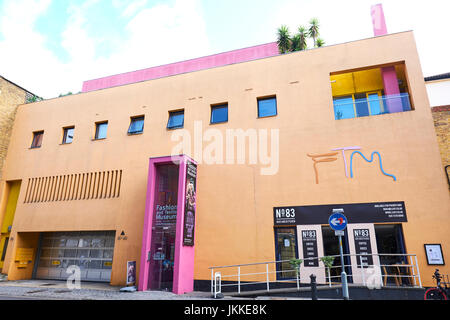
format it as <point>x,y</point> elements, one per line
<point>309,240</point>
<point>376,212</point>
<point>190,204</point>
<point>362,246</point>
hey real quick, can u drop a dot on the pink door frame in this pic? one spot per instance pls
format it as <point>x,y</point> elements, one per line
<point>183,274</point>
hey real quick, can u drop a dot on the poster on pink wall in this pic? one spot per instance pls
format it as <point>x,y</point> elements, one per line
<point>190,204</point>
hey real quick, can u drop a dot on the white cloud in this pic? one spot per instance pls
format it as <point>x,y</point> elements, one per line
<point>157,35</point>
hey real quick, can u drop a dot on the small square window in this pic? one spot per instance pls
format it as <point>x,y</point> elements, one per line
<point>267,107</point>
<point>219,113</point>
<point>136,125</point>
<point>37,139</point>
<point>101,129</point>
<point>68,135</point>
<point>176,120</point>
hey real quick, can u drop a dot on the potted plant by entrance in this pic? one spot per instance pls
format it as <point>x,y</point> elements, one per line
<point>295,263</point>
<point>328,262</point>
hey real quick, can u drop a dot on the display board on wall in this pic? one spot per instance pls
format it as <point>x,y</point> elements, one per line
<point>309,240</point>
<point>376,212</point>
<point>362,246</point>
<point>434,255</point>
<point>190,204</point>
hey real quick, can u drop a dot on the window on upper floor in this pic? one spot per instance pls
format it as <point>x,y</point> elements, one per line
<point>101,129</point>
<point>267,107</point>
<point>219,113</point>
<point>38,136</point>
<point>369,92</point>
<point>136,125</point>
<point>176,119</point>
<point>68,135</point>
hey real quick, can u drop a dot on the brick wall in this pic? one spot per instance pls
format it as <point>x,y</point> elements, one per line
<point>10,97</point>
<point>441,117</point>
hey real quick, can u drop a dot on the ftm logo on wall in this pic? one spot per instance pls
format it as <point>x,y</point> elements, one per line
<point>332,156</point>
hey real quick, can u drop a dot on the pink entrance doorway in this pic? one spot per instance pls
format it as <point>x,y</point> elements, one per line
<point>167,258</point>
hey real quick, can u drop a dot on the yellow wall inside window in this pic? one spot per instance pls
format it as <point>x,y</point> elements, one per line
<point>355,82</point>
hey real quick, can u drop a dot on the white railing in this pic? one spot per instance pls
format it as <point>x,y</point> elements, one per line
<point>383,272</point>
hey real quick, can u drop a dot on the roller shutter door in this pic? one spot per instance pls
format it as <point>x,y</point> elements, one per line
<point>92,252</point>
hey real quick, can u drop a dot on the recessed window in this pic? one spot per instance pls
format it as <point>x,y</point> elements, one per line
<point>68,135</point>
<point>267,107</point>
<point>370,92</point>
<point>219,113</point>
<point>136,125</point>
<point>37,139</point>
<point>176,120</point>
<point>101,129</point>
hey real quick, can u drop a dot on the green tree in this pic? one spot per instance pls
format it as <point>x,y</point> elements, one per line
<point>284,39</point>
<point>320,42</point>
<point>302,33</point>
<point>313,30</point>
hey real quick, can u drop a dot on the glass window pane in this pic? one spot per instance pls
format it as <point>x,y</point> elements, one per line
<point>72,242</point>
<point>136,125</point>
<point>84,243</point>
<point>96,254</point>
<point>95,264</point>
<point>98,243</point>
<point>219,114</point>
<point>375,105</point>
<point>108,254</point>
<point>71,253</point>
<point>267,107</point>
<point>176,120</point>
<point>101,130</point>
<point>37,139</point>
<point>82,253</point>
<point>343,108</point>
<point>68,135</point>
<point>361,105</point>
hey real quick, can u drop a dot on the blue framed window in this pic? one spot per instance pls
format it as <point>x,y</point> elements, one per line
<point>267,107</point>
<point>68,135</point>
<point>176,120</point>
<point>136,125</point>
<point>101,129</point>
<point>219,113</point>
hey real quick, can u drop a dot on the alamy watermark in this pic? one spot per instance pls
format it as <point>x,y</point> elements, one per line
<point>231,146</point>
<point>74,278</point>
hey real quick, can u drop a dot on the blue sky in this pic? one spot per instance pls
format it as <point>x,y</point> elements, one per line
<point>52,46</point>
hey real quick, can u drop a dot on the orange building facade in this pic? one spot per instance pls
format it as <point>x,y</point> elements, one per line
<point>76,177</point>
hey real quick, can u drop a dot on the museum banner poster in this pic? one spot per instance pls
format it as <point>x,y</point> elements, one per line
<point>190,204</point>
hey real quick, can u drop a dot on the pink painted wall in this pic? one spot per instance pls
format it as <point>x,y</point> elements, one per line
<point>391,90</point>
<point>183,274</point>
<point>217,60</point>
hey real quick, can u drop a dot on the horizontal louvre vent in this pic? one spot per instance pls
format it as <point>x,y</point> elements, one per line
<point>80,186</point>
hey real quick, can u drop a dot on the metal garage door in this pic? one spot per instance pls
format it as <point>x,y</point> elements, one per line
<point>92,252</point>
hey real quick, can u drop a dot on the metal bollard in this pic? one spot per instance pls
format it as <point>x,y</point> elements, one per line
<point>313,287</point>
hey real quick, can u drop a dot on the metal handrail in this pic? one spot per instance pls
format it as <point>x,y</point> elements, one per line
<point>413,270</point>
